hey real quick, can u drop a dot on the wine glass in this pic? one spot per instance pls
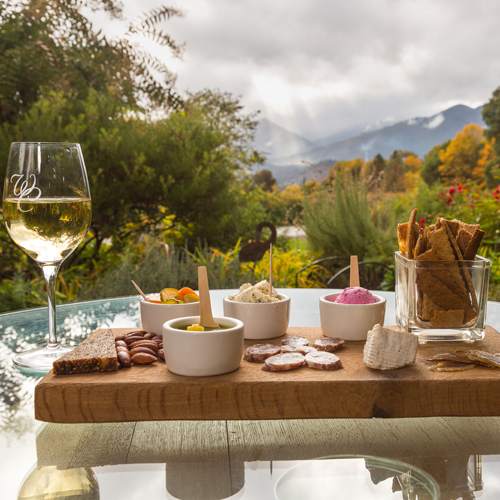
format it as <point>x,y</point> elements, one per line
<point>47,212</point>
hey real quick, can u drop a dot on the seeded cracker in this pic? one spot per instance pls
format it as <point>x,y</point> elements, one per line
<point>473,246</point>
<point>470,313</point>
<point>411,238</point>
<point>95,354</point>
<point>402,229</point>
<point>420,246</point>
<point>463,240</point>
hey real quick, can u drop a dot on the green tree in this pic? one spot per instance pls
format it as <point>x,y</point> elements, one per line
<point>265,179</point>
<point>491,116</point>
<point>48,45</point>
<point>180,172</point>
<point>430,170</point>
<point>377,165</point>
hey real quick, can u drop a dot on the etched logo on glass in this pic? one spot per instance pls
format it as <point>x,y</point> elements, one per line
<point>23,190</point>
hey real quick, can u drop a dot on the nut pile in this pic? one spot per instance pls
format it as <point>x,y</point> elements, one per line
<point>139,348</point>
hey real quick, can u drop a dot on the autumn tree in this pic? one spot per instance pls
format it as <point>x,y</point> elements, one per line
<point>397,168</point>
<point>460,159</point>
<point>346,169</point>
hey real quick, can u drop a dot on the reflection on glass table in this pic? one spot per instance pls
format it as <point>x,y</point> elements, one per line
<point>356,478</point>
<point>51,483</point>
<point>215,459</point>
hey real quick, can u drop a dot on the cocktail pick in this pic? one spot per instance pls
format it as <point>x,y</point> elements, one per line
<point>354,271</point>
<point>206,318</point>
<point>139,290</point>
<point>271,271</point>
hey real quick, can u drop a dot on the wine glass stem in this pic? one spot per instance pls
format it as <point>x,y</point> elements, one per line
<point>50,274</point>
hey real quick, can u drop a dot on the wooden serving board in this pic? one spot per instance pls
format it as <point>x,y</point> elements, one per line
<point>153,393</point>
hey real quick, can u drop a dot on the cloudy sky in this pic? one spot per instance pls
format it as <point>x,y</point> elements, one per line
<point>316,67</point>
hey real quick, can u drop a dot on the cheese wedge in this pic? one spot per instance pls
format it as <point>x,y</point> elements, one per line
<point>388,349</point>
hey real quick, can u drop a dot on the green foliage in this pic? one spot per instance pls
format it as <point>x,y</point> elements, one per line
<point>180,171</point>
<point>50,46</point>
<point>344,223</point>
<point>491,116</point>
<point>20,293</point>
<point>429,201</point>
<point>430,170</point>
<point>149,266</point>
<point>264,178</point>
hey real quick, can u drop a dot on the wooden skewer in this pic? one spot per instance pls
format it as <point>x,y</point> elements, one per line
<point>354,271</point>
<point>206,318</point>
<point>139,290</point>
<point>271,271</point>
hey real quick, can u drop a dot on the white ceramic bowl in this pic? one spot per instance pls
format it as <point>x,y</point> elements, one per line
<point>262,321</point>
<point>349,321</point>
<point>154,315</point>
<point>202,354</point>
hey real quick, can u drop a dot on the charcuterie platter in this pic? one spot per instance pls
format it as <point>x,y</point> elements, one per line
<point>153,393</point>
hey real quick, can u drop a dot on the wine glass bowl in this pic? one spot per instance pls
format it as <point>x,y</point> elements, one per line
<point>47,213</point>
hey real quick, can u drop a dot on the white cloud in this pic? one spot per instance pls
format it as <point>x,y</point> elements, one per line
<point>435,122</point>
<point>316,67</point>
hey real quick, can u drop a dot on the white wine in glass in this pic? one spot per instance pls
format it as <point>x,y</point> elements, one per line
<point>47,212</point>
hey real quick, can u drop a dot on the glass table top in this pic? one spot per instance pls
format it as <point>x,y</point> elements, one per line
<point>215,459</point>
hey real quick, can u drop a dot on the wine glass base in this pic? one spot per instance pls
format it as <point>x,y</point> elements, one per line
<point>40,359</point>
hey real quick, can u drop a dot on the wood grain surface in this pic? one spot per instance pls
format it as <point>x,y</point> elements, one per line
<point>97,445</point>
<point>144,393</point>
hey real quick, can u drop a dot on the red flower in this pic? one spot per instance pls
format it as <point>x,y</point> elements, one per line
<point>422,220</point>
<point>497,190</point>
<point>448,200</point>
<point>472,206</point>
<point>460,189</point>
<point>452,191</point>
<point>496,197</point>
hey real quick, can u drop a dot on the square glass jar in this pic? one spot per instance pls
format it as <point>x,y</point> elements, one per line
<point>442,300</point>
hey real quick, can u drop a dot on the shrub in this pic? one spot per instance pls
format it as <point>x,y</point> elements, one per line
<point>348,221</point>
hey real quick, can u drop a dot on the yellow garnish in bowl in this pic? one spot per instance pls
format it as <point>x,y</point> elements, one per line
<point>195,328</point>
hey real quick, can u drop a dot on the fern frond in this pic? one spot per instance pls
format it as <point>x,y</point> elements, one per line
<point>155,16</point>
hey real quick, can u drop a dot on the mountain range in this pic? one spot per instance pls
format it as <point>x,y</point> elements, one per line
<point>289,155</point>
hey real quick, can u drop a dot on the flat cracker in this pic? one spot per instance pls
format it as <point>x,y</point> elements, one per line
<point>428,307</point>
<point>471,228</point>
<point>447,273</point>
<point>440,294</point>
<point>420,246</point>
<point>473,246</point>
<point>411,238</point>
<point>448,356</point>
<point>449,319</point>
<point>451,366</point>
<point>484,358</point>
<point>453,225</point>
<point>466,276</point>
<point>402,230</point>
<point>463,239</point>
<point>440,243</point>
